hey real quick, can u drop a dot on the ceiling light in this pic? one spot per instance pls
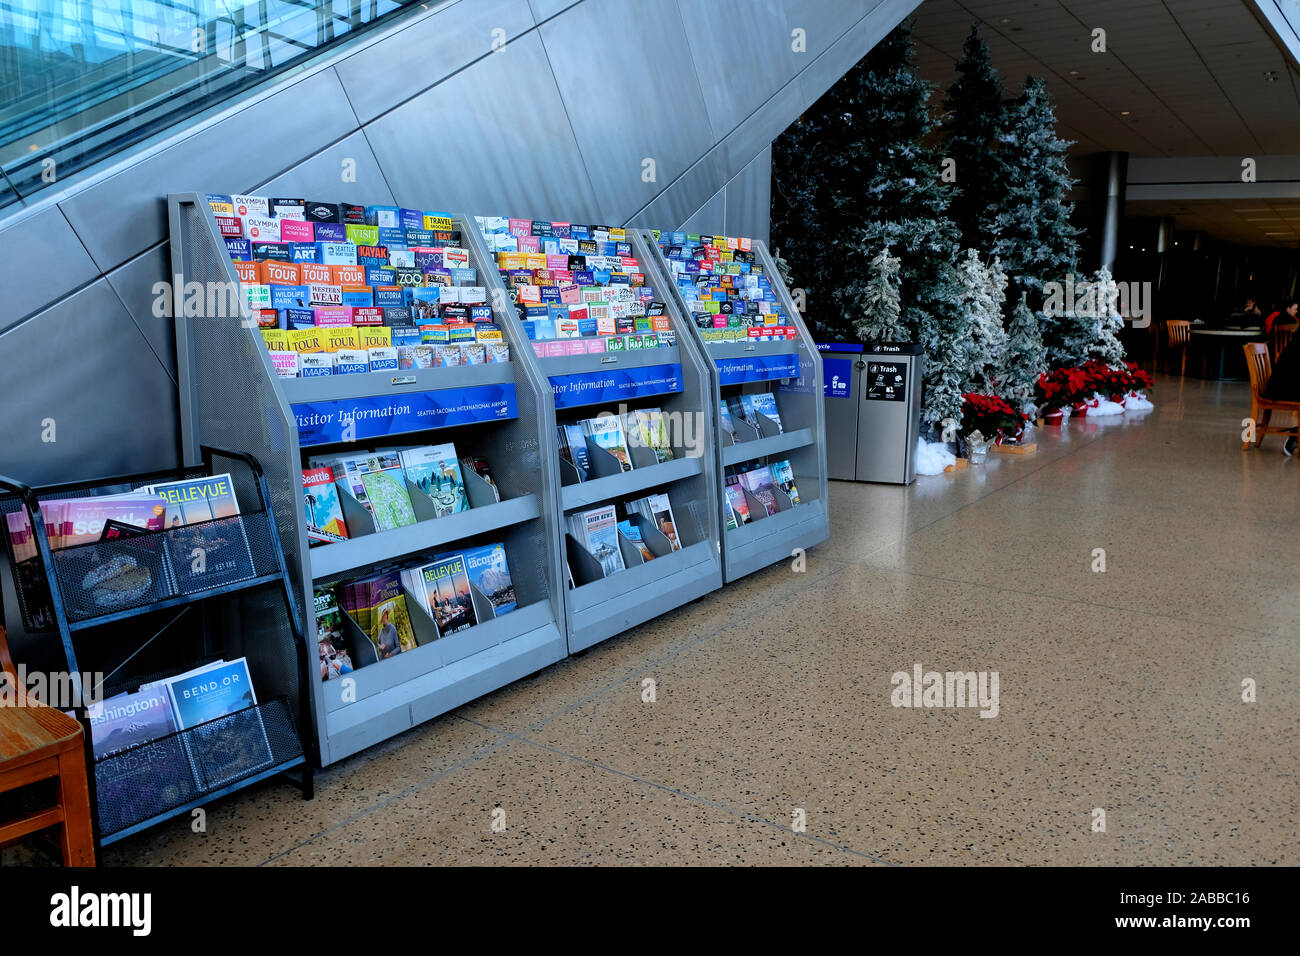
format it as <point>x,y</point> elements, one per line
<point>1125,112</point>
<point>1005,20</point>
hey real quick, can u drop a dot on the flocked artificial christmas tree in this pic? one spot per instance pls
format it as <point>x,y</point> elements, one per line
<point>1035,239</point>
<point>1107,348</point>
<point>880,318</point>
<point>983,290</point>
<point>973,139</point>
<point>853,175</point>
<point>1024,358</point>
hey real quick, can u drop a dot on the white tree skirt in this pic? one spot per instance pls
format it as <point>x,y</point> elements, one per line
<point>1104,407</point>
<point>933,457</point>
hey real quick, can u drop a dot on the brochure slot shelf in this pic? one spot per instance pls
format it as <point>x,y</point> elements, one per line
<point>607,605</point>
<point>736,350</point>
<point>299,391</point>
<point>229,585</point>
<point>766,446</point>
<point>562,366</point>
<point>371,547</point>
<point>503,412</point>
<point>623,485</point>
<point>791,370</point>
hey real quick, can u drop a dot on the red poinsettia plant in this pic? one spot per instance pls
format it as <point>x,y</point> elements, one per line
<point>991,416</point>
<point>1137,380</point>
<point>1063,387</point>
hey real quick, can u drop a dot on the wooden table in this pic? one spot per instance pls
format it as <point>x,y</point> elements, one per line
<point>1225,337</point>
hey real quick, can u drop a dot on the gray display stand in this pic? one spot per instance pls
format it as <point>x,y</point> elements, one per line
<point>600,606</point>
<point>734,367</point>
<point>231,396</point>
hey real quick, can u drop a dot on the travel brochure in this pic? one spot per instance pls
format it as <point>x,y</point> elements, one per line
<point>455,590</point>
<point>597,530</point>
<point>225,738</point>
<point>340,289</point>
<point>578,289</point>
<point>119,563</point>
<point>725,288</point>
<point>614,435</point>
<point>383,483</point>
<point>759,481</point>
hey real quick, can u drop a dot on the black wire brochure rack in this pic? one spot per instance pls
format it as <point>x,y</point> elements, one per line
<point>179,598</point>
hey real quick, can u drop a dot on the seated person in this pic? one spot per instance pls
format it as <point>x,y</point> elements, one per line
<point>1284,384</point>
<point>1250,309</point>
<point>1284,317</point>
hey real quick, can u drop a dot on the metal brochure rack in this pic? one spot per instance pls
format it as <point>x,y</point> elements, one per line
<point>213,590</point>
<point>794,367</point>
<point>676,379</point>
<point>230,395</point>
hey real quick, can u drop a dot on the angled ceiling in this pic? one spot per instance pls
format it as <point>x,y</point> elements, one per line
<point>1192,74</point>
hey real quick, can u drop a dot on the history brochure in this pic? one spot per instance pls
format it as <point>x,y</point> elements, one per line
<point>660,512</point>
<point>389,622</point>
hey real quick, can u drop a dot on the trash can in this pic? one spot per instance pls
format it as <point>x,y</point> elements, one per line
<point>842,367</point>
<point>873,410</point>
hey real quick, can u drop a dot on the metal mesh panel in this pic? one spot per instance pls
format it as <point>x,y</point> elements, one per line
<point>110,576</point>
<point>153,778</point>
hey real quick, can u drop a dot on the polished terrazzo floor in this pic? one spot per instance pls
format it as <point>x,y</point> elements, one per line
<point>1119,690</point>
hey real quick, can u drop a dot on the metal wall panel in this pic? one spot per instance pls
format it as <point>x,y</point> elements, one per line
<point>321,177</point>
<point>681,199</point>
<point>640,102</point>
<point>824,21</point>
<point>852,46</point>
<point>134,284</point>
<point>39,243</point>
<point>545,9</point>
<point>749,199</point>
<point>479,143</point>
<point>426,51</point>
<point>114,408</point>
<point>122,215</point>
<point>756,60</point>
<point>756,133</point>
<point>709,218</point>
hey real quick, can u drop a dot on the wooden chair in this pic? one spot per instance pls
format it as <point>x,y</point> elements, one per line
<point>1178,336</point>
<point>1281,338</point>
<point>1261,370</point>
<point>41,743</point>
